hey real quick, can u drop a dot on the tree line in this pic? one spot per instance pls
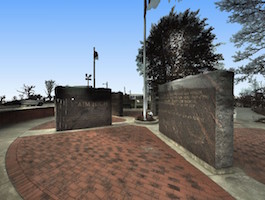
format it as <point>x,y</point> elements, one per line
<point>27,92</point>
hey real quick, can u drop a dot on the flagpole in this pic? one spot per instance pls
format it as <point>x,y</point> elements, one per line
<point>144,66</point>
<point>94,68</point>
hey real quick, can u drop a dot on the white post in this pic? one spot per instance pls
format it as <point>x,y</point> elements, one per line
<point>144,67</point>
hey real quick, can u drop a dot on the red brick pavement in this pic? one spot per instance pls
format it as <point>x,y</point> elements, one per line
<point>126,162</point>
<point>249,149</point>
<point>52,124</point>
<point>249,152</point>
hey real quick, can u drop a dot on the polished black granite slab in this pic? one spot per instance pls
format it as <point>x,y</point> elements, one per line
<point>82,107</point>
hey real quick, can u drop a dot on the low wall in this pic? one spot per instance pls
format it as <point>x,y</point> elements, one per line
<point>82,107</point>
<point>16,115</point>
<point>133,112</point>
<point>117,103</point>
<point>127,102</point>
<point>197,113</point>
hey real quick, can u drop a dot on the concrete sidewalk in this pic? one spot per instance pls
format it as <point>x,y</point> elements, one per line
<point>7,136</point>
<point>236,183</point>
<point>245,118</point>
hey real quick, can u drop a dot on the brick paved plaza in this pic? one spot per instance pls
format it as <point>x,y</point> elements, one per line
<point>124,162</point>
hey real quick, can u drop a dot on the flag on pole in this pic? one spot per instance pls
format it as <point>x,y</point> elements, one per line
<point>95,55</point>
<point>152,4</point>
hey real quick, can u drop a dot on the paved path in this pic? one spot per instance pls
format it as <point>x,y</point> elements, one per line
<point>237,184</point>
<point>249,152</point>
<point>249,143</point>
<point>245,118</point>
<point>125,162</point>
<point>7,136</point>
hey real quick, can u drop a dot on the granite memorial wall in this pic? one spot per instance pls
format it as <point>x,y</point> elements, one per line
<point>117,103</point>
<point>82,107</point>
<point>197,113</point>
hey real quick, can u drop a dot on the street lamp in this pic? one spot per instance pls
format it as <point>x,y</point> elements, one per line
<point>88,78</point>
<point>106,84</point>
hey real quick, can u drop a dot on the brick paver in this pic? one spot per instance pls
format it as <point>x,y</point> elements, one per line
<point>249,152</point>
<point>125,162</point>
<point>249,149</point>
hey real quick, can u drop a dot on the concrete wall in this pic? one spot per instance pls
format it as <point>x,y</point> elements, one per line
<point>82,107</point>
<point>117,103</point>
<point>197,113</point>
<point>16,115</point>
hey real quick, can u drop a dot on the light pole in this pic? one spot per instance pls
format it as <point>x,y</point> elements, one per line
<point>151,4</point>
<point>88,78</point>
<point>107,86</point>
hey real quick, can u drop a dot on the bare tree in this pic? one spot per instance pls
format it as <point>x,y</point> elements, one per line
<point>27,90</point>
<point>2,99</point>
<point>50,85</point>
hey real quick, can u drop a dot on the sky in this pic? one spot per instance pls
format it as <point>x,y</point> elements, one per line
<point>54,39</point>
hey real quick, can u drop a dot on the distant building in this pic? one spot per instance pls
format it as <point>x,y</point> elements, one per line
<point>137,100</point>
<point>132,101</point>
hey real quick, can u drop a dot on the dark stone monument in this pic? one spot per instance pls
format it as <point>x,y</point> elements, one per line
<point>82,107</point>
<point>117,103</point>
<point>197,113</point>
<point>127,102</point>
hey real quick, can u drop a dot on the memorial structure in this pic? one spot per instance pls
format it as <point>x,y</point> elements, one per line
<point>82,107</point>
<point>117,103</point>
<point>197,113</point>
